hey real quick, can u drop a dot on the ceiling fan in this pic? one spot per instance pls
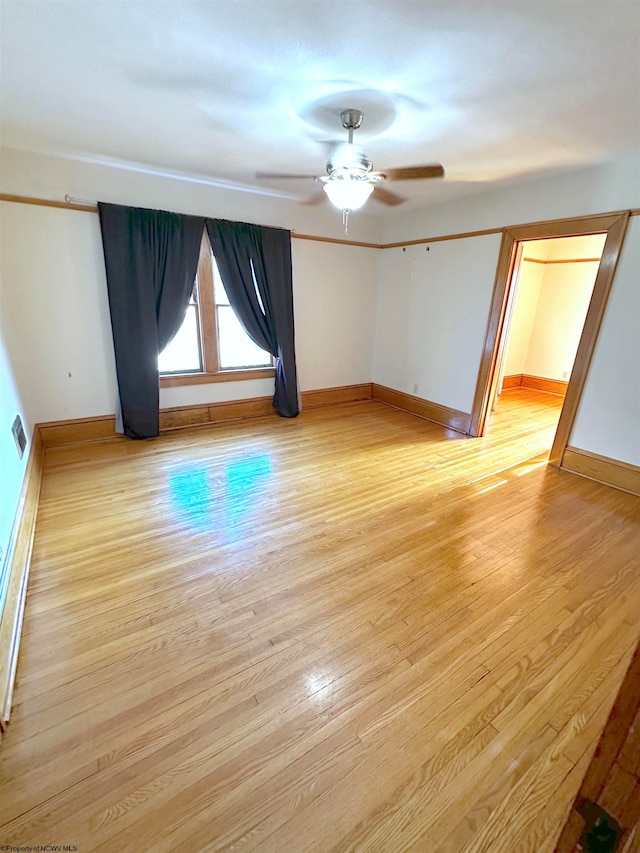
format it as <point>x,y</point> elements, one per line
<point>350,178</point>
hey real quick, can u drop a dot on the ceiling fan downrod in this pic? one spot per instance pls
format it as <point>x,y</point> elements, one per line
<point>351,120</point>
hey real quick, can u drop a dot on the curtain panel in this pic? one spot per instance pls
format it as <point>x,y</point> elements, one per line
<point>255,266</point>
<point>151,259</point>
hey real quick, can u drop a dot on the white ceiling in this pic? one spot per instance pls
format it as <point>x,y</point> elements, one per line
<point>496,91</point>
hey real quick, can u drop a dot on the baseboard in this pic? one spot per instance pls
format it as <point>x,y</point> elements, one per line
<point>56,433</point>
<point>19,561</point>
<point>333,396</point>
<point>103,428</point>
<point>611,472</point>
<point>537,383</point>
<point>513,381</point>
<point>443,415</point>
<point>180,417</point>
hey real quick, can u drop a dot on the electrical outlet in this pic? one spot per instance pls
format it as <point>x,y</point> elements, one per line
<point>565,373</point>
<point>415,389</point>
<point>18,434</point>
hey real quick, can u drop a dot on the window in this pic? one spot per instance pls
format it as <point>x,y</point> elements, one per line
<point>211,345</point>
<point>235,347</point>
<point>183,354</point>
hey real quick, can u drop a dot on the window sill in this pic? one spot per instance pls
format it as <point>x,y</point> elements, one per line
<point>224,376</point>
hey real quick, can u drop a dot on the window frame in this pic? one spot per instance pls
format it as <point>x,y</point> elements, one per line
<point>208,333</point>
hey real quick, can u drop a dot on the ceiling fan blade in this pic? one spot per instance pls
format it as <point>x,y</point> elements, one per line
<point>385,196</point>
<point>278,175</point>
<point>410,173</point>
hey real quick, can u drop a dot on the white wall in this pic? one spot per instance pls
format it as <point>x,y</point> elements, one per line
<point>51,177</point>
<point>432,315</point>
<point>432,309</point>
<point>11,404</point>
<point>551,305</point>
<point>564,248</point>
<point>609,187</point>
<point>55,288</point>
<point>335,296</point>
<point>559,319</point>
<point>524,313</point>
<point>608,420</point>
<point>53,269</point>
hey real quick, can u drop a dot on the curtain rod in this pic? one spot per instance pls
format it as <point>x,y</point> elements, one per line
<point>71,203</point>
<point>83,204</point>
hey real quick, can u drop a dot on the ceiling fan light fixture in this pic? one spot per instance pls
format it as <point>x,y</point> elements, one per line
<point>350,178</point>
<point>348,193</point>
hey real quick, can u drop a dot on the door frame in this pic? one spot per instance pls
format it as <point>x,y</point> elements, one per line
<point>614,225</point>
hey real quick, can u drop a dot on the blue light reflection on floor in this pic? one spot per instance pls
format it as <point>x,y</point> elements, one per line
<point>205,503</point>
<point>191,495</point>
<point>244,477</point>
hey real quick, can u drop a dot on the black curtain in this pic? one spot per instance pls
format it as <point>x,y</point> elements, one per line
<point>255,266</point>
<point>151,258</point>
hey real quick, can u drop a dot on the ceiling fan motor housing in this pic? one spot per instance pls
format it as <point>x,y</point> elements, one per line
<point>351,119</point>
<point>349,162</point>
<point>351,159</point>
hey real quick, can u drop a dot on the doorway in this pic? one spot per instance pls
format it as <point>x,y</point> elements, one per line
<point>551,288</point>
<point>613,226</point>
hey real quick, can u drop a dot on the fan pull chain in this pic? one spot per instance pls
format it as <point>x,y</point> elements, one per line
<point>345,221</point>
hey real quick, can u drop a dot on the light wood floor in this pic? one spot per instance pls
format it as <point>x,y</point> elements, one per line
<point>350,631</point>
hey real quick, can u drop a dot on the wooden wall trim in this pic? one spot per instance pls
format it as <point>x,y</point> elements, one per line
<point>334,396</point>
<point>175,380</point>
<point>56,433</point>
<point>616,231</point>
<point>611,472</point>
<point>340,242</point>
<point>180,417</point>
<point>562,261</point>
<point>487,373</point>
<point>571,226</point>
<point>19,561</point>
<point>537,383</point>
<point>549,386</point>
<point>462,235</point>
<point>615,227</point>
<point>597,223</point>
<point>443,415</point>
<point>514,380</point>
<point>93,208</point>
<point>102,428</point>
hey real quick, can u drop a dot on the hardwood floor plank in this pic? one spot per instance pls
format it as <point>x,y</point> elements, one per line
<point>354,630</point>
<point>483,826</point>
